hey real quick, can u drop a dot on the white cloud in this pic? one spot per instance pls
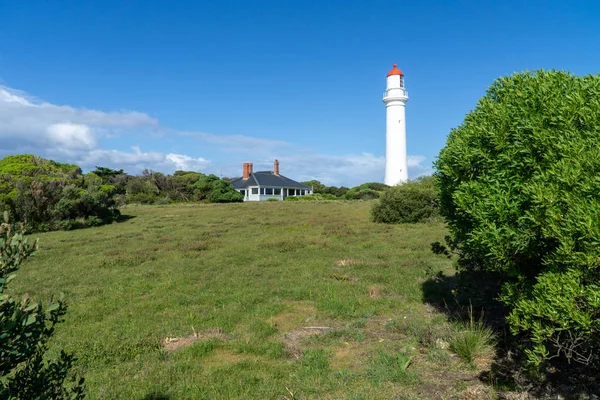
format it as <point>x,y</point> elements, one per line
<point>117,157</point>
<point>71,136</point>
<point>187,163</point>
<point>137,160</point>
<point>24,120</point>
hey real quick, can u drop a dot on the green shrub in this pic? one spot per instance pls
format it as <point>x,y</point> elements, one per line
<point>319,188</point>
<point>317,196</point>
<point>519,188</point>
<point>141,186</point>
<point>562,314</point>
<point>272,199</point>
<point>413,201</point>
<point>291,198</point>
<point>376,186</point>
<point>141,198</point>
<point>50,195</point>
<point>307,198</point>
<point>358,193</point>
<point>25,328</point>
<point>223,192</point>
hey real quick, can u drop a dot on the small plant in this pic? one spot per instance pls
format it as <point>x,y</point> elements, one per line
<point>438,355</point>
<point>429,334</point>
<point>390,367</point>
<point>25,328</point>
<point>473,339</point>
<point>273,200</point>
<point>404,360</point>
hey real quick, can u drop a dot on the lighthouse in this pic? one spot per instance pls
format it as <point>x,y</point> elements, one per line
<point>395,98</point>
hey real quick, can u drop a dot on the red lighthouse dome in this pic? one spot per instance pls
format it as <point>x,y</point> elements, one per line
<point>395,71</point>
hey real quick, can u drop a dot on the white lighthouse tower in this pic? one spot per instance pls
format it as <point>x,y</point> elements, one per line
<point>395,98</point>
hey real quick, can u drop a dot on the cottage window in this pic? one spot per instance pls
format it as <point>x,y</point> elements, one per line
<point>269,191</point>
<point>302,192</point>
<point>292,192</point>
<point>277,192</point>
<point>254,190</point>
<point>243,192</point>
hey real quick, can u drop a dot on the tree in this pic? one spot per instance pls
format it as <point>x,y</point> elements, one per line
<point>25,328</point>
<point>519,188</point>
<point>106,173</point>
<point>223,192</point>
<point>204,186</point>
<point>317,186</point>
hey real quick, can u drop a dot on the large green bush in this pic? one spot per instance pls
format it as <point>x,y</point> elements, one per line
<point>25,328</point>
<point>223,192</point>
<point>413,201</point>
<point>49,195</point>
<point>520,191</point>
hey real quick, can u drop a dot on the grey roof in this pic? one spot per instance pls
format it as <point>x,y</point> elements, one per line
<point>267,178</point>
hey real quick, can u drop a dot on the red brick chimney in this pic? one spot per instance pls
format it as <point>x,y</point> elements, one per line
<point>250,168</point>
<point>246,168</point>
<point>276,167</point>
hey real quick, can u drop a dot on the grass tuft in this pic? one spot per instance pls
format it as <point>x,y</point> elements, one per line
<point>472,339</point>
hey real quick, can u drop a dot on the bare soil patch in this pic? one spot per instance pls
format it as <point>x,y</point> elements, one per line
<point>299,313</point>
<point>292,339</point>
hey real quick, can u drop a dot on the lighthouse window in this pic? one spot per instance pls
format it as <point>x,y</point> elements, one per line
<point>401,81</point>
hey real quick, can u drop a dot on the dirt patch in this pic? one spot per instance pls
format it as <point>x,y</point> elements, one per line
<point>374,292</point>
<point>172,343</point>
<point>452,381</point>
<point>349,356</point>
<point>377,328</point>
<point>292,339</point>
<point>299,313</point>
<point>477,392</point>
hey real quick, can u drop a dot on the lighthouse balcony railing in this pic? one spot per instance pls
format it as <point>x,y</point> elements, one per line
<point>395,93</point>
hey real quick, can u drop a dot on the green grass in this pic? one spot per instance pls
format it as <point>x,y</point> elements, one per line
<point>472,339</point>
<point>233,286</point>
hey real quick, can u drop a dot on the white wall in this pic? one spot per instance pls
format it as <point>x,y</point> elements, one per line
<point>263,197</point>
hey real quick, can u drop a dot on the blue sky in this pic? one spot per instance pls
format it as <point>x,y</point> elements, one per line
<point>208,85</point>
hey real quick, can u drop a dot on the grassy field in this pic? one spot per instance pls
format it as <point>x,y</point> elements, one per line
<point>265,301</point>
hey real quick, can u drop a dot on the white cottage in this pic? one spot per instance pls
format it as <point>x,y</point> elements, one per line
<point>265,185</point>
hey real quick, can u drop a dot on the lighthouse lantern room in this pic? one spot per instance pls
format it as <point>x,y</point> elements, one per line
<point>395,98</point>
